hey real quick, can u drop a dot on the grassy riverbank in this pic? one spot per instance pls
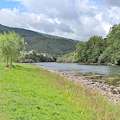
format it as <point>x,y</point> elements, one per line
<point>30,93</point>
<point>113,79</point>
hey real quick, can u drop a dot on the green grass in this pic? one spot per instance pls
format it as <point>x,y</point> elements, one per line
<point>30,93</point>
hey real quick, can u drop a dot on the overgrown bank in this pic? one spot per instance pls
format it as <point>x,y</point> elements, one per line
<point>27,92</point>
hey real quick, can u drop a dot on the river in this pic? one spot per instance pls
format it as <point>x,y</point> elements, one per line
<point>74,67</point>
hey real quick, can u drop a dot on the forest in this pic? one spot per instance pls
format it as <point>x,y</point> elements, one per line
<point>97,50</point>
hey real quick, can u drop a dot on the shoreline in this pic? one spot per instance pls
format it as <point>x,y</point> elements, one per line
<point>104,64</point>
<point>109,91</point>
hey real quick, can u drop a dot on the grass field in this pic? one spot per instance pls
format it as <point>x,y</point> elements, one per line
<point>31,93</point>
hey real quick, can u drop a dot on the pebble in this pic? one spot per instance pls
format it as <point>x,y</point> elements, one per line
<point>111,92</point>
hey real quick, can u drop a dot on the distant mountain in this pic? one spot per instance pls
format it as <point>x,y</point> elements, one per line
<point>43,43</point>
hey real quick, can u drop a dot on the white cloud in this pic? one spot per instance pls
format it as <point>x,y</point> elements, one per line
<point>78,19</point>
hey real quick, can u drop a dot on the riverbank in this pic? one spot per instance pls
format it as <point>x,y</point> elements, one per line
<point>93,83</point>
<point>29,92</point>
<point>107,84</point>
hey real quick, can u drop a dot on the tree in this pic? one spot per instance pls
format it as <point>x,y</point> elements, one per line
<point>89,52</point>
<point>11,45</point>
<point>81,52</point>
<point>95,47</point>
<point>112,51</point>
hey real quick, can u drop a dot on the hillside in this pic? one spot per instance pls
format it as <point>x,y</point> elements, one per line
<point>43,42</point>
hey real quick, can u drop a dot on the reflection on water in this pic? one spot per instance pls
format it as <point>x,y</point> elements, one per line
<point>74,67</point>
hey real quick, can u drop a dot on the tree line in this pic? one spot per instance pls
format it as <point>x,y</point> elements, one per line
<point>35,57</point>
<point>99,50</point>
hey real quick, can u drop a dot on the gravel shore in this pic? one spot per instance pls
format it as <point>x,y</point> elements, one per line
<point>111,92</point>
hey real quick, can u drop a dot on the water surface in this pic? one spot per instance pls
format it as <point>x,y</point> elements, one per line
<point>74,67</point>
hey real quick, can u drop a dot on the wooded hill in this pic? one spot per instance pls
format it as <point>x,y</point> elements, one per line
<point>43,43</point>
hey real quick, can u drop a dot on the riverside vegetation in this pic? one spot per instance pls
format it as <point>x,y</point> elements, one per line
<point>97,50</point>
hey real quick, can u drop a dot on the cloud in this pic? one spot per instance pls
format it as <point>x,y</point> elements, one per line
<point>77,19</point>
<point>113,2</point>
<point>38,22</point>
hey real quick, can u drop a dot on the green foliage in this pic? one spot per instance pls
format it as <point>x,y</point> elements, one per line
<point>70,57</point>
<point>89,52</point>
<point>81,52</point>
<point>99,50</point>
<point>34,57</point>
<point>95,47</point>
<point>30,93</point>
<point>112,51</point>
<point>11,44</point>
<point>43,43</point>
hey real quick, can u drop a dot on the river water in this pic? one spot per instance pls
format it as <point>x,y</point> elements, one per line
<point>74,67</point>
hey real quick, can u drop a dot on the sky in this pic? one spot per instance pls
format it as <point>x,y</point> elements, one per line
<point>76,19</point>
